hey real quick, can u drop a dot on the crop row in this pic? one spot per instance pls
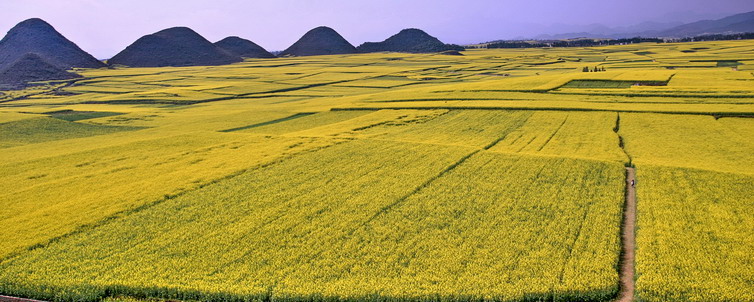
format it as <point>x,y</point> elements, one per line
<point>695,237</point>
<point>363,220</point>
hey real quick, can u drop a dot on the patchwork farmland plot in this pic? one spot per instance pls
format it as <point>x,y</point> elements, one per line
<point>692,243</point>
<point>277,238</point>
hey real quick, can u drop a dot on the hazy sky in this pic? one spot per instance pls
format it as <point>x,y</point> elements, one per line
<point>104,27</point>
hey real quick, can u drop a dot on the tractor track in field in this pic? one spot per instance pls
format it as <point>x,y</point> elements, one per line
<point>628,240</point>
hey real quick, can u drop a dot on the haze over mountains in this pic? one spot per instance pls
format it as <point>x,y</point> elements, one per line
<point>738,23</point>
<point>732,24</point>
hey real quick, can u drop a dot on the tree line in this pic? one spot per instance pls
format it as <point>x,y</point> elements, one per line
<point>607,42</point>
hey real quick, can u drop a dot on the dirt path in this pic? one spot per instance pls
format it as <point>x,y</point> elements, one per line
<point>14,299</point>
<point>626,293</point>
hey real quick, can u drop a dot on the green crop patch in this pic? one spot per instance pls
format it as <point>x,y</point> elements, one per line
<point>45,129</point>
<point>611,84</point>
<point>719,63</point>
<point>728,63</point>
<point>73,115</point>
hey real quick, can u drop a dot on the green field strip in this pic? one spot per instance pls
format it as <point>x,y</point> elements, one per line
<point>73,115</point>
<point>610,84</point>
<point>713,95</point>
<point>443,100</point>
<point>44,129</point>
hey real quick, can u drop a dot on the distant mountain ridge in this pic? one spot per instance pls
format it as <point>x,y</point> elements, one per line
<point>39,37</point>
<point>34,51</point>
<point>31,68</point>
<point>739,23</point>
<point>733,24</point>
<point>243,48</point>
<point>321,40</point>
<point>411,40</point>
<point>175,46</point>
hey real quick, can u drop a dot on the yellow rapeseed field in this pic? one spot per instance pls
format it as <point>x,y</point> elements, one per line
<point>405,223</point>
<point>695,237</point>
<point>493,176</point>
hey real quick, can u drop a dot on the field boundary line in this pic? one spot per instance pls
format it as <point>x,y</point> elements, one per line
<point>554,133</point>
<point>436,177</point>
<point>573,243</point>
<point>621,142</point>
<point>237,96</point>
<point>660,95</point>
<point>167,197</point>
<point>418,188</point>
<point>270,122</point>
<point>503,137</point>
<point>66,84</point>
<point>713,114</point>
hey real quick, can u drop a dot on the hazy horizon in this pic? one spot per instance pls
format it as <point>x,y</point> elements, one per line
<point>103,28</point>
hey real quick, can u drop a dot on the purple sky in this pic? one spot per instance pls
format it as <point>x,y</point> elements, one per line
<point>104,27</point>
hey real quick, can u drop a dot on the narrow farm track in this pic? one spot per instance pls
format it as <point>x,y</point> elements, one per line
<point>626,293</point>
<point>14,299</point>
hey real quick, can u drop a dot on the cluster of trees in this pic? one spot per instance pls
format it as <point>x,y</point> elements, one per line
<point>595,69</point>
<point>570,43</point>
<point>517,44</point>
<point>718,37</point>
<point>605,42</point>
